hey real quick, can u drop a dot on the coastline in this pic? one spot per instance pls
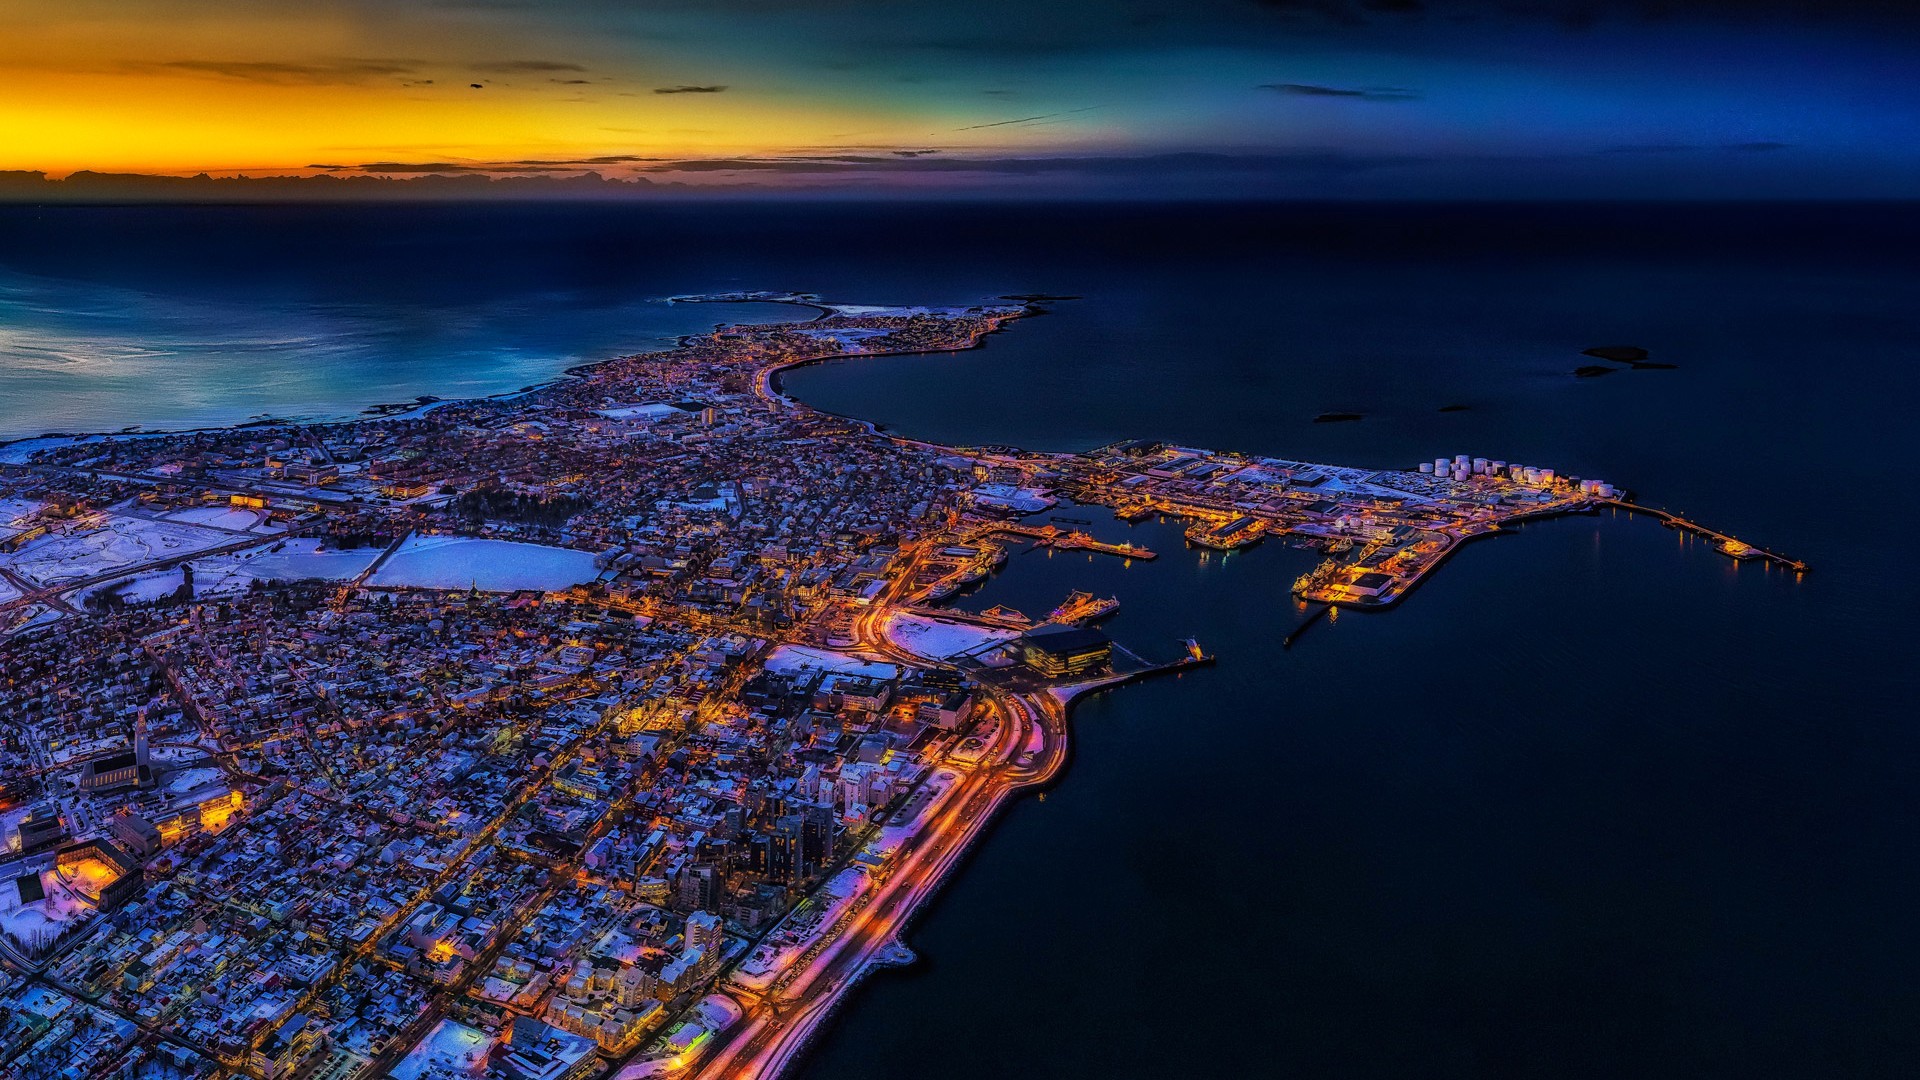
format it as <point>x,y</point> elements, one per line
<point>999,791</point>
<point>426,403</point>
<point>1001,779</point>
<point>419,405</point>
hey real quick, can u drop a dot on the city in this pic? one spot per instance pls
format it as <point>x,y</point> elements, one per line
<point>613,728</point>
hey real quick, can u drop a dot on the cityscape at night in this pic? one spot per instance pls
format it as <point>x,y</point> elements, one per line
<point>841,541</point>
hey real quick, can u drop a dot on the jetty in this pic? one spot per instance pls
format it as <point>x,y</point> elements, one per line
<point>1054,537</point>
<point>1730,546</point>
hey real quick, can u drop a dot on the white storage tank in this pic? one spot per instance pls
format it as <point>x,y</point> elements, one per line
<point>1479,466</point>
<point>1426,466</point>
<point>1530,474</point>
<point>1460,459</point>
<point>1441,465</point>
<point>1546,476</point>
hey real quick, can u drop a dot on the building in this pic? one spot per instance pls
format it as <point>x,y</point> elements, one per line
<point>126,769</point>
<point>41,828</point>
<point>83,866</point>
<point>1056,651</point>
<point>289,1044</point>
<point>537,1051</point>
<point>135,834</point>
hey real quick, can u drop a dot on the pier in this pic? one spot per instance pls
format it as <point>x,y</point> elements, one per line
<point>1052,536</point>
<point>1312,617</point>
<point>1731,546</point>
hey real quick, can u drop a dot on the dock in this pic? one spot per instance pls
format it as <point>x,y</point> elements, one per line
<point>1054,537</point>
<point>1730,546</point>
<point>1014,621</point>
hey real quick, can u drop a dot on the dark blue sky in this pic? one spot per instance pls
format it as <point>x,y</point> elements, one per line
<point>1295,98</point>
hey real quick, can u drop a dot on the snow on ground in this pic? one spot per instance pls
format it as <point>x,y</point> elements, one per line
<point>938,639</point>
<point>884,309</point>
<point>1022,500</point>
<point>790,658</point>
<point>717,1012</point>
<point>36,615</point>
<point>145,588</point>
<point>33,928</point>
<point>453,1044</point>
<point>184,781</point>
<point>919,810</point>
<point>298,559</point>
<point>16,511</point>
<point>233,518</point>
<point>10,828</point>
<point>118,540</point>
<point>17,452</point>
<point>799,929</point>
<point>7,591</point>
<point>844,336</point>
<point>459,562</point>
<point>658,410</point>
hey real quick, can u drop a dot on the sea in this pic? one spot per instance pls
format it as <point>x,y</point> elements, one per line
<point>1594,801</point>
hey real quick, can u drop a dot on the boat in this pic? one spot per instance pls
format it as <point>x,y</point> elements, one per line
<point>1238,533</point>
<point>1083,607</point>
<point>942,589</point>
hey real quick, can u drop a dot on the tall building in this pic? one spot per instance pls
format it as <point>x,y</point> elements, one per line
<point>820,833</point>
<point>129,768</point>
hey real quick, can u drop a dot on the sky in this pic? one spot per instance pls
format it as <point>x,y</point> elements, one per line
<point>1283,98</point>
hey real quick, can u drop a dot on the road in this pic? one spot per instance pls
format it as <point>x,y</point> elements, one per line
<point>779,1023</point>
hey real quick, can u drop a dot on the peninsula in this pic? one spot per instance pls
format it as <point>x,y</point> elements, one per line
<point>613,728</point>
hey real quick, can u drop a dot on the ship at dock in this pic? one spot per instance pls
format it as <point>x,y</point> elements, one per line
<point>1226,536</point>
<point>1082,608</point>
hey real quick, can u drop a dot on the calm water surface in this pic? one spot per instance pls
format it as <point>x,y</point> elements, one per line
<point>1595,801</point>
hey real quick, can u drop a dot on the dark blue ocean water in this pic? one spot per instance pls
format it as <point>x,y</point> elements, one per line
<point>1595,801</point>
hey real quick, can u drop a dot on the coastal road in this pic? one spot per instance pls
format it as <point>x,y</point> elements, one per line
<point>778,1026</point>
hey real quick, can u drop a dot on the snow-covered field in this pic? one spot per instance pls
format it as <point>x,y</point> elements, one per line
<point>938,639</point>
<point>145,588</point>
<point>186,780</point>
<point>461,1048</point>
<point>119,540</point>
<point>16,511</point>
<point>298,559</point>
<point>846,337</point>
<point>650,412</point>
<point>233,518</point>
<point>31,929</point>
<point>789,658</point>
<point>1022,500</point>
<point>459,562</point>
